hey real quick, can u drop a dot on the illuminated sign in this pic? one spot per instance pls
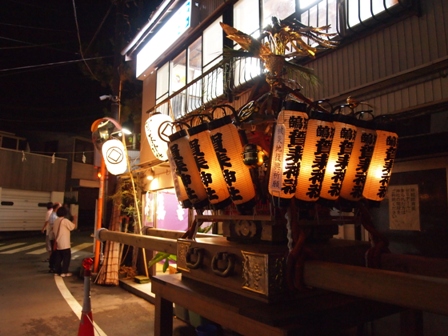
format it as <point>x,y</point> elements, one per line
<point>164,38</point>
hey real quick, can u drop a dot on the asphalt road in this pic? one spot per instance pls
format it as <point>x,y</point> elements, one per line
<point>32,303</point>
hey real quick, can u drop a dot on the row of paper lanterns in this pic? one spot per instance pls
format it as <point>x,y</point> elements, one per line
<point>314,156</point>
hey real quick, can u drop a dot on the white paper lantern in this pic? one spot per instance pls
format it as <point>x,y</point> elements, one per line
<point>187,170</point>
<point>209,168</point>
<point>114,155</point>
<point>381,164</point>
<point>229,151</point>
<point>287,150</point>
<point>355,176</point>
<point>317,148</point>
<point>158,129</point>
<point>339,157</point>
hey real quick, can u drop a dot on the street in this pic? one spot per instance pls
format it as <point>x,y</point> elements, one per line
<point>35,302</point>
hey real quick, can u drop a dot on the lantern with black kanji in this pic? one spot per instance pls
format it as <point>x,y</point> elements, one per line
<point>186,168</point>
<point>209,167</point>
<point>339,156</point>
<point>229,151</point>
<point>316,150</point>
<point>287,149</point>
<point>179,187</point>
<point>355,175</point>
<point>381,164</point>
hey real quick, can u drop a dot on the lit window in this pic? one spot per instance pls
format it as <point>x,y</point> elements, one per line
<point>359,11</point>
<point>246,17</point>
<point>279,8</point>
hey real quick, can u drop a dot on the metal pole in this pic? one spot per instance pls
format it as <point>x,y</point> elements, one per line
<point>99,218</point>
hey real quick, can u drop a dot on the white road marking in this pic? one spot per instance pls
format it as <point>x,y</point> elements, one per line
<point>24,248</point>
<point>81,247</point>
<point>10,246</point>
<point>74,305</point>
<point>39,251</point>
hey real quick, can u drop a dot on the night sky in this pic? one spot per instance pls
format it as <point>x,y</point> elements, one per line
<point>43,81</point>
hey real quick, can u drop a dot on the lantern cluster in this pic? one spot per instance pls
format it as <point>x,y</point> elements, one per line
<point>207,166</point>
<point>327,157</point>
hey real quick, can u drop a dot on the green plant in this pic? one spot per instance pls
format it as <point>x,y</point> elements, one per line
<point>162,256</point>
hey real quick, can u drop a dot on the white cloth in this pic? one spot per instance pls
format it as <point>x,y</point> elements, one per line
<point>51,221</point>
<point>61,228</point>
<point>47,218</point>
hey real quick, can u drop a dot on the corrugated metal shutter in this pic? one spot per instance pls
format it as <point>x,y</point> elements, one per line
<point>22,210</point>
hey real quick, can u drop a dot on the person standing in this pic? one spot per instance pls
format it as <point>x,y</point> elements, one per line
<point>62,230</point>
<point>51,221</point>
<point>46,228</point>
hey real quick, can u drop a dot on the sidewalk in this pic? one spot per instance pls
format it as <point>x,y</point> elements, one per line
<point>181,326</point>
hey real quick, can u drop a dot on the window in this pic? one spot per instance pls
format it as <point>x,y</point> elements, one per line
<point>178,81</point>
<point>212,55</point>
<point>279,8</point>
<point>246,17</point>
<point>357,12</point>
<point>162,86</point>
<point>194,92</point>
<point>350,16</point>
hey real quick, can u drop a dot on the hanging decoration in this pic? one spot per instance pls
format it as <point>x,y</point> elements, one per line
<point>114,155</point>
<point>355,176</point>
<point>381,164</point>
<point>316,151</point>
<point>158,128</point>
<point>341,148</point>
<point>179,187</point>
<point>228,148</point>
<point>186,168</point>
<point>209,167</point>
<point>287,150</point>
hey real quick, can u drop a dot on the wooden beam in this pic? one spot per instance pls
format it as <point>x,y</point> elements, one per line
<point>421,292</point>
<point>406,290</point>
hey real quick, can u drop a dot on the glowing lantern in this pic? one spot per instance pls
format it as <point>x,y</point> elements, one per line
<point>186,168</point>
<point>287,150</point>
<point>114,155</point>
<point>316,150</point>
<point>228,148</point>
<point>381,164</point>
<point>338,159</point>
<point>208,165</point>
<point>179,187</point>
<point>355,175</point>
<point>158,129</point>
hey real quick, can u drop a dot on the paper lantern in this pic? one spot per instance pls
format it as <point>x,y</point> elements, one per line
<point>158,129</point>
<point>179,187</point>
<point>228,148</point>
<point>114,155</point>
<point>209,168</point>
<point>355,175</point>
<point>316,150</point>
<point>381,164</point>
<point>287,150</point>
<point>339,157</point>
<point>186,168</point>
